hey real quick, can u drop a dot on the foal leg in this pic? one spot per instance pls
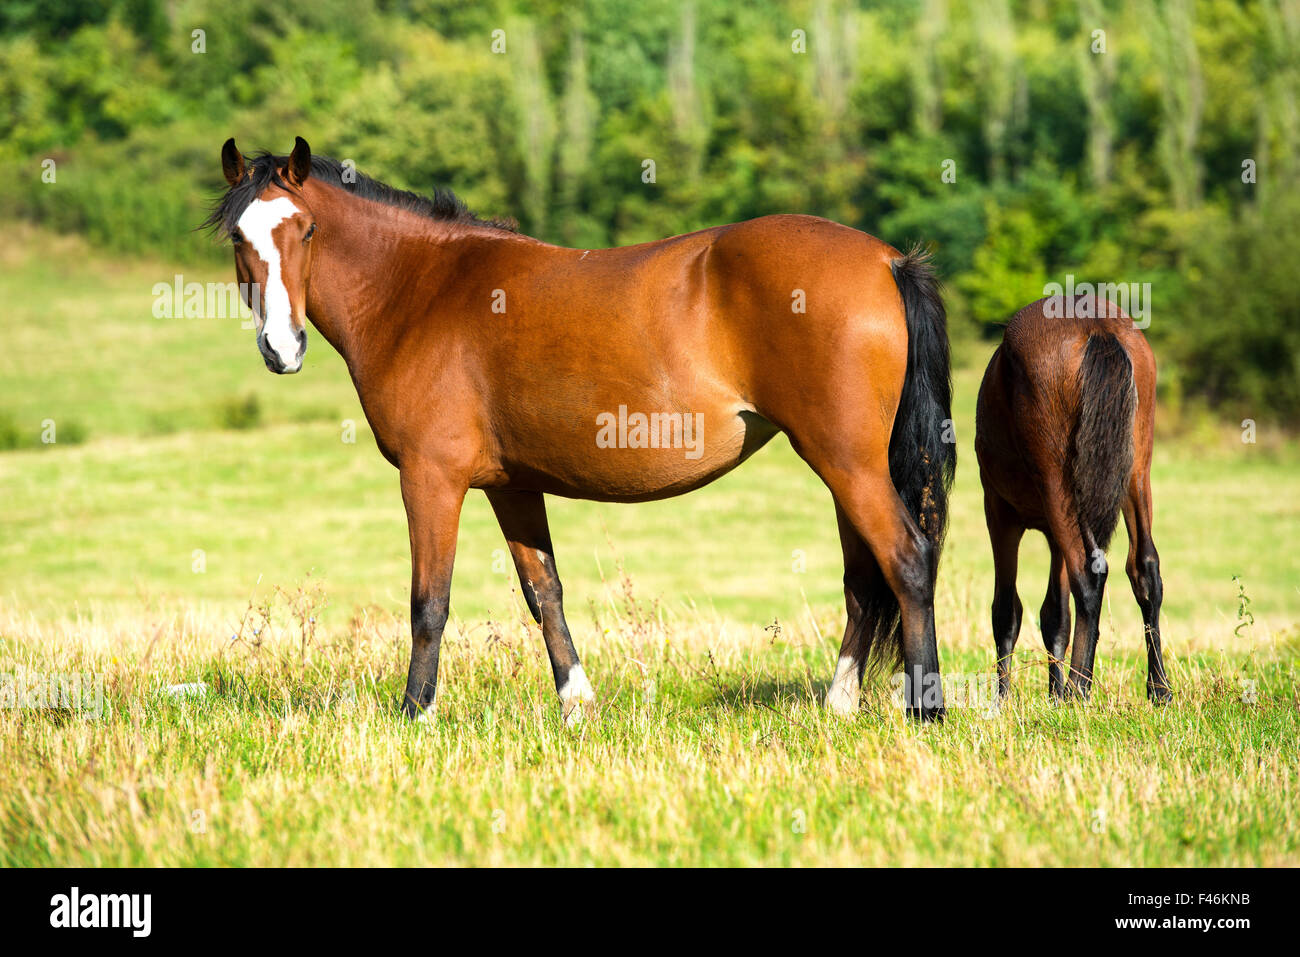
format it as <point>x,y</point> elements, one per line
<point>1087,571</point>
<point>1144,574</point>
<point>522,516</point>
<point>860,569</point>
<point>432,514</point>
<point>1005,532</point>
<point>1088,585</point>
<point>1054,621</point>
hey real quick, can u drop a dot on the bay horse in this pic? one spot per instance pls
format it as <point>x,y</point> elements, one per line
<point>487,359</point>
<point>1063,434</point>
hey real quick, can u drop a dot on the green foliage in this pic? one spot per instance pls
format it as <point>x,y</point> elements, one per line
<point>240,413</point>
<point>1122,166</point>
<point>1235,336</point>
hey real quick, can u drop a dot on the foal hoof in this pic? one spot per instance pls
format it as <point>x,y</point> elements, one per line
<point>413,711</point>
<point>1077,694</point>
<point>1159,696</point>
<point>418,715</point>
<point>927,715</point>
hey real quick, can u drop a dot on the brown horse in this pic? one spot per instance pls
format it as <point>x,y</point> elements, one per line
<point>1063,436</point>
<point>486,359</point>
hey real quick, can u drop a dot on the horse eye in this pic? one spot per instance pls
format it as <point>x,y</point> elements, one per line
<point>236,237</point>
<point>310,231</point>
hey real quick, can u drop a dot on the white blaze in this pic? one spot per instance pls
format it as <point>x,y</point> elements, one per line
<point>256,225</point>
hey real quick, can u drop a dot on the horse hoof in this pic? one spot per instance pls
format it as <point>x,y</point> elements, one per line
<point>573,709</point>
<point>841,704</point>
<point>1161,696</point>
<point>575,695</point>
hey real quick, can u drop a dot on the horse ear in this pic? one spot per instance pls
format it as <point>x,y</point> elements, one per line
<point>299,167</point>
<point>232,162</point>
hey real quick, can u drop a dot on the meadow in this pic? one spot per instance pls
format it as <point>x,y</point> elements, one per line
<point>197,520</point>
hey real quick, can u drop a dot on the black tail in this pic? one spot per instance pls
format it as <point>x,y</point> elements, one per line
<point>1102,451</point>
<point>923,448</point>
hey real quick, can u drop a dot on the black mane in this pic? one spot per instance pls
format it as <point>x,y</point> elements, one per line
<point>263,169</point>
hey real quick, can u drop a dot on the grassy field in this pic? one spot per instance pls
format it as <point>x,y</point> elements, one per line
<point>142,540</point>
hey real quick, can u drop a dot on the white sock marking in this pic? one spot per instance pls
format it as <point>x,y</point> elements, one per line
<point>842,697</point>
<point>575,693</point>
<point>577,686</point>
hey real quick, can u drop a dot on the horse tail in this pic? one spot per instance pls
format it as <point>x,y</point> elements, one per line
<point>1102,450</point>
<point>922,449</point>
<point>922,452</point>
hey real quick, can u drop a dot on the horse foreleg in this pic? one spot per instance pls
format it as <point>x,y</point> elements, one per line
<point>522,517</point>
<point>433,515</point>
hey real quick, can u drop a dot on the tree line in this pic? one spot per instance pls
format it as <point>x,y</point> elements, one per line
<point>1134,142</point>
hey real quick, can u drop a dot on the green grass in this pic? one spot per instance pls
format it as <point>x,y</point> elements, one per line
<point>134,555</point>
<point>706,748</point>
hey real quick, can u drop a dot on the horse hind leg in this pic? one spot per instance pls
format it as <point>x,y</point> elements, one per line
<point>1005,533</point>
<point>907,561</point>
<point>1054,621</point>
<point>1086,571</point>
<point>1143,568</point>
<point>860,571</point>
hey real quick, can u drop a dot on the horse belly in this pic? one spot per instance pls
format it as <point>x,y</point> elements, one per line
<point>632,457</point>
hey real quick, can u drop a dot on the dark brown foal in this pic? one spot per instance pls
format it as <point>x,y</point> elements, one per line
<point>1063,435</point>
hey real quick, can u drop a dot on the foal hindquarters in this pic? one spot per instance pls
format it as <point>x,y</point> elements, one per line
<point>1064,438</point>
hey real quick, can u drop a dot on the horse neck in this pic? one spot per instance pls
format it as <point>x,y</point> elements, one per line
<point>360,265</point>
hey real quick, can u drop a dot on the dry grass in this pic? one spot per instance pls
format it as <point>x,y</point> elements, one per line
<point>707,746</point>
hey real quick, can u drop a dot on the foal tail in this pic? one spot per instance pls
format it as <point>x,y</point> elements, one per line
<point>922,449</point>
<point>1102,450</point>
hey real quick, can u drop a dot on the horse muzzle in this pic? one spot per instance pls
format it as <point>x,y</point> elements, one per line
<point>277,362</point>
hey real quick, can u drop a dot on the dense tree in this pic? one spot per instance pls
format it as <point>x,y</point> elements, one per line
<point>1027,139</point>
